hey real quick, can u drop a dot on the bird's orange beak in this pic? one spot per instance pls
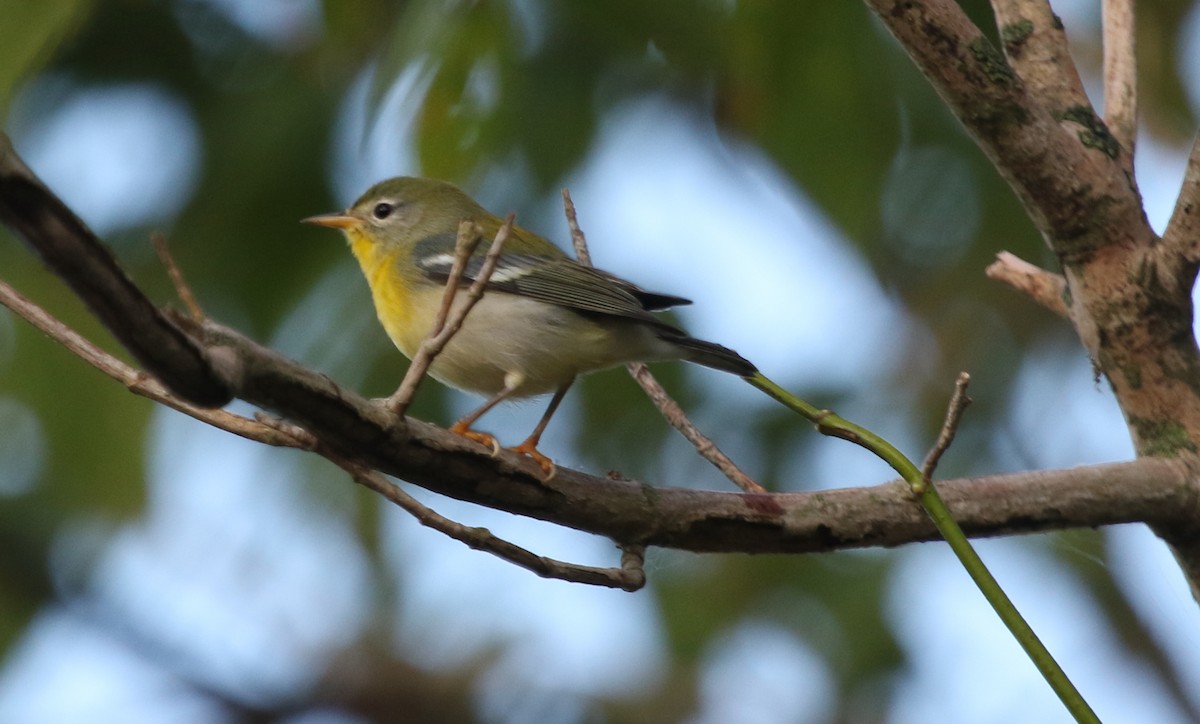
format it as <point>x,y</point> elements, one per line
<point>339,220</point>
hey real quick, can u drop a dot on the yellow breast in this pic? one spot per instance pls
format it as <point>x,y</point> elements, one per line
<point>403,310</point>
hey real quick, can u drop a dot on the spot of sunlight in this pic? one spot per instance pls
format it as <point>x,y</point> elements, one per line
<point>108,681</point>
<point>1060,415</point>
<point>930,206</point>
<point>280,23</point>
<point>965,666</point>
<point>22,447</point>
<point>119,155</point>
<point>1189,56</point>
<point>672,206</point>
<point>547,634</point>
<point>373,144</point>
<point>788,680</point>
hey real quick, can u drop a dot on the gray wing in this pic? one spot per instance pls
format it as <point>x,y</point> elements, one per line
<point>560,281</point>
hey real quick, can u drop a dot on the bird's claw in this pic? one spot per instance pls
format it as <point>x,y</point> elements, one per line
<point>529,447</point>
<point>482,438</point>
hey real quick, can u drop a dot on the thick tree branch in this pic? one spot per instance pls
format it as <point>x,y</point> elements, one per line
<point>1129,296</point>
<point>1060,177</point>
<point>1159,491</point>
<point>74,253</point>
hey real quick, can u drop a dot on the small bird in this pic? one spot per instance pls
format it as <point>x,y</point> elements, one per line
<point>543,320</point>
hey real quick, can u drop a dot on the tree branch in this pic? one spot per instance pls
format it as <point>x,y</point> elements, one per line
<point>1035,43</point>
<point>1161,492</point>
<point>1182,237</point>
<point>636,513</point>
<point>1120,73</point>
<point>954,410</point>
<point>1061,178</point>
<point>629,577</point>
<point>1130,296</point>
<point>1045,288</point>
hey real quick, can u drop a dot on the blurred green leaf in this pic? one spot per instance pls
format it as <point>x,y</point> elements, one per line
<point>31,32</point>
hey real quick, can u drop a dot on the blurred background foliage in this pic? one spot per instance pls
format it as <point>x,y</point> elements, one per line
<point>781,163</point>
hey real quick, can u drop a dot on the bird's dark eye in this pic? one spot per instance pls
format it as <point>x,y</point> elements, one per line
<point>383,210</point>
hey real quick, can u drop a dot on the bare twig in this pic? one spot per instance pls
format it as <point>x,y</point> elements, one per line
<point>135,381</point>
<point>670,409</point>
<point>181,286</point>
<point>1045,288</point>
<point>629,577</point>
<point>464,246</point>
<point>450,318</point>
<point>679,420</point>
<point>578,240</point>
<point>954,411</point>
<point>1120,72</point>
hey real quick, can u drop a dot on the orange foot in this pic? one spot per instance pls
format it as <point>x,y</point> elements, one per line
<point>529,447</point>
<point>480,437</point>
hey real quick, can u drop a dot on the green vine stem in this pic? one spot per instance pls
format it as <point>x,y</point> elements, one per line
<point>829,423</point>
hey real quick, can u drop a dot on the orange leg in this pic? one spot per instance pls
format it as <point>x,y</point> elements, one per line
<point>463,426</point>
<point>529,447</point>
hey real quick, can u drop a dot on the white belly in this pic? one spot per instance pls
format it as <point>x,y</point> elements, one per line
<point>507,336</point>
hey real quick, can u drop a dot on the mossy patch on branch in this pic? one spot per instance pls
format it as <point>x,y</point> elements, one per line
<point>1094,133</point>
<point>992,63</point>
<point>1161,438</point>
<point>1015,34</point>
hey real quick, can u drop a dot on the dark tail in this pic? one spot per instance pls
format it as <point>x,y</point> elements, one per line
<point>714,355</point>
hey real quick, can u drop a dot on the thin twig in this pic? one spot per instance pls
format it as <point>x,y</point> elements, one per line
<point>1182,236</point>
<point>1045,288</point>
<point>679,420</point>
<point>450,318</point>
<point>670,409</point>
<point>1120,72</point>
<point>629,577</point>
<point>578,240</point>
<point>958,402</point>
<point>134,380</point>
<point>467,240</point>
<point>181,286</point>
